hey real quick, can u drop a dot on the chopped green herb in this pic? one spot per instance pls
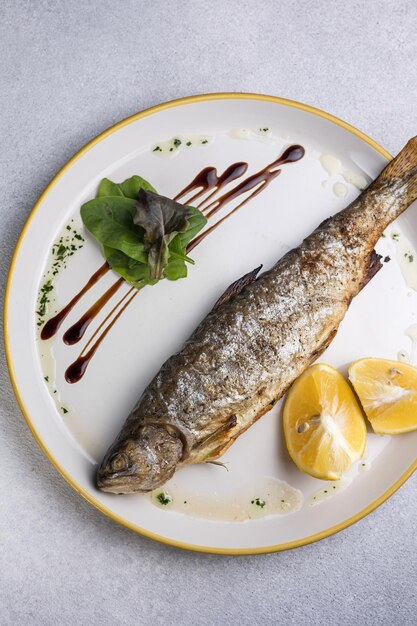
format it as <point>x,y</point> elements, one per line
<point>164,498</point>
<point>259,502</point>
<point>64,410</point>
<point>395,236</point>
<point>188,143</point>
<point>204,141</point>
<point>61,250</point>
<point>157,149</point>
<point>47,287</point>
<point>177,142</point>
<point>44,299</point>
<point>46,378</point>
<point>68,227</point>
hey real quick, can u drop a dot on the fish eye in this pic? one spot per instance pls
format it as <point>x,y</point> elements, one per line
<point>119,462</point>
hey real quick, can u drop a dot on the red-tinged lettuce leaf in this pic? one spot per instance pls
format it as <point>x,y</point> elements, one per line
<point>162,219</point>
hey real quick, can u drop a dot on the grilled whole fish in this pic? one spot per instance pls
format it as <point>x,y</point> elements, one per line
<point>251,347</point>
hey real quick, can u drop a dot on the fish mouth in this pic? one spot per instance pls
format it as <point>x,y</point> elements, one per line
<point>112,483</point>
<point>120,481</point>
<point>118,484</point>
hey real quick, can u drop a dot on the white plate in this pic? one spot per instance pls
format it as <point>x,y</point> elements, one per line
<point>157,322</point>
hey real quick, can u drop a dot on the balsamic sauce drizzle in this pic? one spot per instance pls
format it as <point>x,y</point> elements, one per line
<point>76,370</point>
<point>77,330</point>
<point>206,181</point>
<point>257,181</point>
<point>53,324</point>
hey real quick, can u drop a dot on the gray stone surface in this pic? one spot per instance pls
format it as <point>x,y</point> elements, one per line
<point>68,71</point>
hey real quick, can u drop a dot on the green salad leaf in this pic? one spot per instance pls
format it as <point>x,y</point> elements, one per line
<point>129,188</point>
<point>196,222</point>
<point>134,272</point>
<point>144,235</point>
<point>176,266</point>
<point>110,220</point>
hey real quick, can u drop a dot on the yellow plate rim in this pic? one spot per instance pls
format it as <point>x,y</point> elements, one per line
<point>150,535</point>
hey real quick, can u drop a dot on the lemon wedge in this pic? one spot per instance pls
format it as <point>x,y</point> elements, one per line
<point>388,393</point>
<point>324,428</point>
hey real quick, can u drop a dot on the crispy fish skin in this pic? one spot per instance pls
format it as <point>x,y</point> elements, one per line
<point>247,352</point>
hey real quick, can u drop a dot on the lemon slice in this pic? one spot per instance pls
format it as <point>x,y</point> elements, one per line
<point>388,393</point>
<point>324,428</point>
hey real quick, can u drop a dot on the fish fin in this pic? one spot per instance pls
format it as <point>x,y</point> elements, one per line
<point>221,449</point>
<point>219,463</point>
<point>237,286</point>
<point>215,441</point>
<point>221,431</point>
<point>404,166</point>
<point>373,266</point>
<point>323,346</point>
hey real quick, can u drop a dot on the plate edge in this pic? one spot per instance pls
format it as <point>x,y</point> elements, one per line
<point>136,116</point>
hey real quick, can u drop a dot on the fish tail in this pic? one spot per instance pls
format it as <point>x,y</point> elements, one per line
<point>385,199</point>
<point>403,170</point>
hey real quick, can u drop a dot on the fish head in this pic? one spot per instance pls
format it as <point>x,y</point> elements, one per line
<point>140,461</point>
